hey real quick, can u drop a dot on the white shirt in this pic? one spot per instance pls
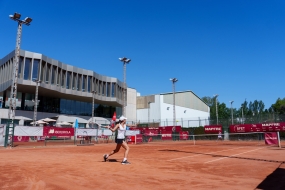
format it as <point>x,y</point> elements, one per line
<point>121,131</point>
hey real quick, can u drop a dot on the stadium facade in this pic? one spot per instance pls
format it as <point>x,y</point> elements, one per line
<point>65,90</point>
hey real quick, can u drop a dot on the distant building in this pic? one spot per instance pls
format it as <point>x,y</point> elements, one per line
<point>157,110</point>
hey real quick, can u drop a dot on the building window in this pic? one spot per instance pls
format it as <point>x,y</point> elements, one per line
<point>58,77</point>
<point>83,83</point>
<point>63,78</point>
<point>47,73</point>
<point>35,73</point>
<point>74,81</point>
<point>53,73</point>
<point>103,88</point>
<point>89,84</point>
<point>43,65</point>
<point>79,82</point>
<point>68,79</point>
<point>27,69</point>
<point>113,90</point>
<point>21,63</point>
<point>108,89</point>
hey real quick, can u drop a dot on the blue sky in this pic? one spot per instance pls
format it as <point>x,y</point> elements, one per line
<point>232,48</point>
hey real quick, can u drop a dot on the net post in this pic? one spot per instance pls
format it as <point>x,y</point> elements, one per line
<point>278,136</point>
<point>194,139</point>
<point>135,139</point>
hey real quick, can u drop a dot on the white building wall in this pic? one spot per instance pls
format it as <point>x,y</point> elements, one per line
<point>131,105</point>
<point>185,117</point>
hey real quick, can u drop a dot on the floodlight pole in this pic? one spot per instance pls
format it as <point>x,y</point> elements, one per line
<point>13,94</point>
<point>174,80</point>
<point>217,114</point>
<point>93,97</point>
<point>36,101</point>
<point>232,111</point>
<point>125,62</point>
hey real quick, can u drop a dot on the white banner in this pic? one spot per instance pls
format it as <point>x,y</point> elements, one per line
<point>132,132</point>
<point>107,132</point>
<point>28,131</point>
<point>86,132</point>
<point>2,135</point>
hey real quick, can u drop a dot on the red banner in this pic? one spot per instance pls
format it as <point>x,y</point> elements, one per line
<point>212,129</point>
<point>58,132</point>
<point>21,138</point>
<point>139,138</point>
<point>166,135</point>
<point>135,139</point>
<point>171,128</point>
<point>183,135</point>
<point>259,127</point>
<point>271,138</point>
<point>151,132</point>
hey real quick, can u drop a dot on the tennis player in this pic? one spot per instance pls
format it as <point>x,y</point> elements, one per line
<point>220,136</point>
<point>121,127</point>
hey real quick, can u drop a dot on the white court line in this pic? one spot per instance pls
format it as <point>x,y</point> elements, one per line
<point>234,155</point>
<point>203,153</point>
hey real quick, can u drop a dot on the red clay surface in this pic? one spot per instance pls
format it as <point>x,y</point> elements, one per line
<point>156,165</point>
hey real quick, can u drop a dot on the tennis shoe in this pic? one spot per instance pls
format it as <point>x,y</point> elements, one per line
<point>125,162</point>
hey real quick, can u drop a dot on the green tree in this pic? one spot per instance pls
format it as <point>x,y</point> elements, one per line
<point>279,106</point>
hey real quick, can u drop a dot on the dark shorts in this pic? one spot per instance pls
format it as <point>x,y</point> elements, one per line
<point>119,141</point>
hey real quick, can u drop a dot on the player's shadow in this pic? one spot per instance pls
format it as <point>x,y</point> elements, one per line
<point>274,181</point>
<point>112,160</point>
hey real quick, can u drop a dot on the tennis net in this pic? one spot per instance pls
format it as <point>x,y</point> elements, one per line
<point>244,139</point>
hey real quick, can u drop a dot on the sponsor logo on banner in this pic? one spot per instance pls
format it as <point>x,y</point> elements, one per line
<point>184,135</point>
<point>21,138</point>
<point>166,135</point>
<point>214,129</point>
<point>271,138</point>
<point>56,131</point>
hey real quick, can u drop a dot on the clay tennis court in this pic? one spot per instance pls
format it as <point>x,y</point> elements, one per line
<point>155,165</point>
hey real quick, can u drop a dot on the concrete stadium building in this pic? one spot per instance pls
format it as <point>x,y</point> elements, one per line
<point>65,92</point>
<point>157,110</point>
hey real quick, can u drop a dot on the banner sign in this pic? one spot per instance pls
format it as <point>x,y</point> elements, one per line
<point>28,131</point>
<point>259,127</point>
<point>56,131</point>
<point>21,138</point>
<point>171,128</point>
<point>271,138</point>
<point>151,132</point>
<point>213,129</point>
<point>139,138</point>
<point>183,135</point>
<point>166,135</point>
<point>2,135</point>
<point>136,139</point>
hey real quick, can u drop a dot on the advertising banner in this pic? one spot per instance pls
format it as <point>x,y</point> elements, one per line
<point>21,138</point>
<point>271,138</point>
<point>139,138</point>
<point>151,132</point>
<point>2,135</point>
<point>212,129</point>
<point>56,131</point>
<point>171,128</point>
<point>166,135</point>
<point>258,127</point>
<point>183,135</point>
<point>28,131</point>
